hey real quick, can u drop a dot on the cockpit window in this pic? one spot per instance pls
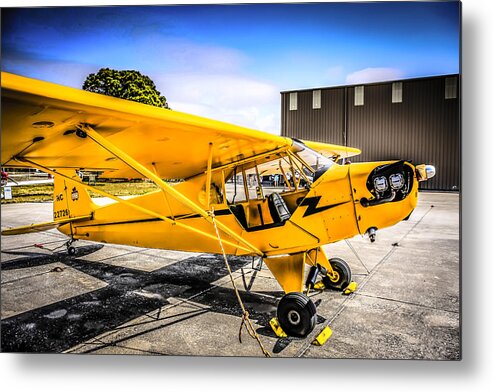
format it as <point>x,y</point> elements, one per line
<point>316,161</point>
<point>288,173</point>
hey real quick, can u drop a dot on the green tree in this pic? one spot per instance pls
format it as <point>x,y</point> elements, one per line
<point>130,85</point>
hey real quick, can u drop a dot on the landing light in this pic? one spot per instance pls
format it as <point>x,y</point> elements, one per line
<point>425,172</point>
<point>430,171</point>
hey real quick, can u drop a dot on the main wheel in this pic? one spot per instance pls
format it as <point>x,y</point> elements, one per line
<point>296,314</point>
<point>342,275</point>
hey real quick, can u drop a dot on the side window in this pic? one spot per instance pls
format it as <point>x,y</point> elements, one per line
<point>282,175</point>
<point>359,95</point>
<point>235,192</point>
<point>397,92</point>
<point>317,99</point>
<point>293,101</point>
<point>244,185</point>
<point>451,88</point>
<point>254,184</point>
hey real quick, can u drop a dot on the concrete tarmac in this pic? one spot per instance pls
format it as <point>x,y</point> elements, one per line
<point>113,299</point>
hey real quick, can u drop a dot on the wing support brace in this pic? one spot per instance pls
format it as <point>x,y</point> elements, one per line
<point>130,204</point>
<point>37,227</point>
<point>86,131</point>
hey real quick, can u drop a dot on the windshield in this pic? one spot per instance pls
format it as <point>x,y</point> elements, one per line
<point>316,161</point>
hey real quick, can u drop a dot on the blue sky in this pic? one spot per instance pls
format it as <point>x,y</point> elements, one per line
<point>230,62</point>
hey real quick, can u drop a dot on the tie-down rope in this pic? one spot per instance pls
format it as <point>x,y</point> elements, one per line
<point>245,321</point>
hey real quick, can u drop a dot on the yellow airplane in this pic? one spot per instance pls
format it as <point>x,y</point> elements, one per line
<point>209,195</point>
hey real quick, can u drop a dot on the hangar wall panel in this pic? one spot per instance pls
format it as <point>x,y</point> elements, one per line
<point>326,123</point>
<point>424,127</point>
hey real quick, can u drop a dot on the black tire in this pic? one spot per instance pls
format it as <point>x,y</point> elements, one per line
<point>296,314</point>
<point>343,272</point>
<point>71,251</point>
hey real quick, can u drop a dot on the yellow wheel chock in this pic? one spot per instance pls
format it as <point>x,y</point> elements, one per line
<point>319,285</point>
<point>351,288</point>
<point>322,337</point>
<point>320,340</point>
<point>276,327</point>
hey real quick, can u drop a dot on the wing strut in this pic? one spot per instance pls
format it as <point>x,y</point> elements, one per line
<point>86,131</point>
<point>130,204</point>
<point>34,228</point>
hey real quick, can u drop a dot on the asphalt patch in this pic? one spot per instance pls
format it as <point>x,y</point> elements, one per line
<point>129,293</point>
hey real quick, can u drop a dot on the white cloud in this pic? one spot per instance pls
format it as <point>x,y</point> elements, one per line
<point>212,81</point>
<point>60,72</point>
<point>199,79</point>
<point>370,75</point>
<point>181,55</point>
<point>233,98</point>
<point>334,75</point>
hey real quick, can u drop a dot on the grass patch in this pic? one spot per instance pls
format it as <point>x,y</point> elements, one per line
<point>30,194</point>
<point>124,188</point>
<point>44,192</point>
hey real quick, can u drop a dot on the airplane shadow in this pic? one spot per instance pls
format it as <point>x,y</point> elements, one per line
<point>64,324</point>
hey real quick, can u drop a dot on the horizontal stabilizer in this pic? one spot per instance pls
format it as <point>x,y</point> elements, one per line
<point>43,226</point>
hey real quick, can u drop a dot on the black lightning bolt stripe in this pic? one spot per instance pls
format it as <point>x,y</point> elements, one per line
<point>312,202</point>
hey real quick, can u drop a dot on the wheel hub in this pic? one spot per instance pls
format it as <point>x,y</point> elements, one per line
<point>294,317</point>
<point>334,277</point>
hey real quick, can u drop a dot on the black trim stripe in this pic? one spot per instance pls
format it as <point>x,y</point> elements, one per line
<point>181,217</point>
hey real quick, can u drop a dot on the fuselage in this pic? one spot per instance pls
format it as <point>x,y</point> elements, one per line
<point>340,204</point>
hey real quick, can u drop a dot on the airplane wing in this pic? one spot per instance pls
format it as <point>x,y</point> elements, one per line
<point>332,150</point>
<point>39,122</point>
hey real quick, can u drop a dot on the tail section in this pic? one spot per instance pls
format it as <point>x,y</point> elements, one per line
<point>70,197</point>
<point>71,203</point>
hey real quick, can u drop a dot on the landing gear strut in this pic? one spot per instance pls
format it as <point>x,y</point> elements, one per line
<point>296,314</point>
